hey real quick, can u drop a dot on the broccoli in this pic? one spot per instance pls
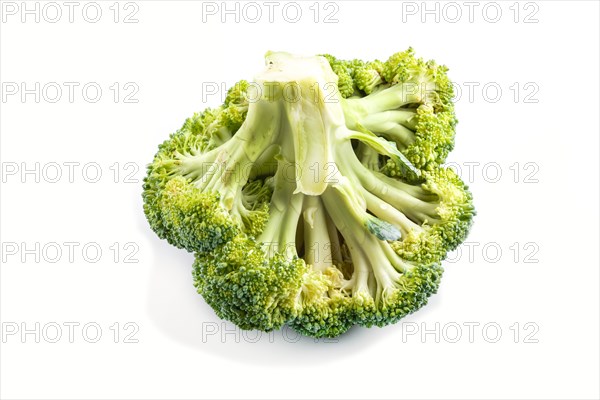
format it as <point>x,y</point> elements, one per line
<point>406,100</point>
<point>301,208</point>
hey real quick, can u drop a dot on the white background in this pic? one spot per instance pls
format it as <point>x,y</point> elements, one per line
<point>547,283</point>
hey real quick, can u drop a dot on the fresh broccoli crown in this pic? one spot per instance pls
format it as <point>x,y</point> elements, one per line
<point>310,212</point>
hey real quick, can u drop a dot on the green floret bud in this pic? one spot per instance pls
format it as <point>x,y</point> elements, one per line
<point>444,91</point>
<point>232,118</point>
<point>324,311</point>
<point>237,95</point>
<point>416,286</point>
<point>344,74</point>
<point>423,246</point>
<point>199,122</point>
<point>426,76</point>
<point>245,287</point>
<point>194,220</point>
<point>367,77</point>
<point>330,317</point>
<point>404,67</point>
<point>251,209</point>
<point>434,138</point>
<point>235,108</point>
<point>455,210</point>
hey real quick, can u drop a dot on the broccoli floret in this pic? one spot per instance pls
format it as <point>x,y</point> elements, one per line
<point>301,212</point>
<point>343,70</point>
<point>368,77</point>
<point>406,100</point>
<point>246,287</point>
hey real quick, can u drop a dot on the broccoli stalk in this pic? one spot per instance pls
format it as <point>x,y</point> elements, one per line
<point>321,249</point>
<point>279,235</point>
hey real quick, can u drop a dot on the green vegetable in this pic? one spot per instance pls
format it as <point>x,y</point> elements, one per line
<point>315,196</point>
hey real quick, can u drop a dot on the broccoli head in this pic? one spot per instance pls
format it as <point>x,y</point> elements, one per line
<point>300,208</point>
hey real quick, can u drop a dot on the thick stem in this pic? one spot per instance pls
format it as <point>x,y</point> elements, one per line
<point>311,142</point>
<point>265,164</point>
<point>239,212</point>
<point>359,283</point>
<point>279,234</point>
<point>260,128</point>
<point>336,246</point>
<point>316,236</point>
<point>289,226</point>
